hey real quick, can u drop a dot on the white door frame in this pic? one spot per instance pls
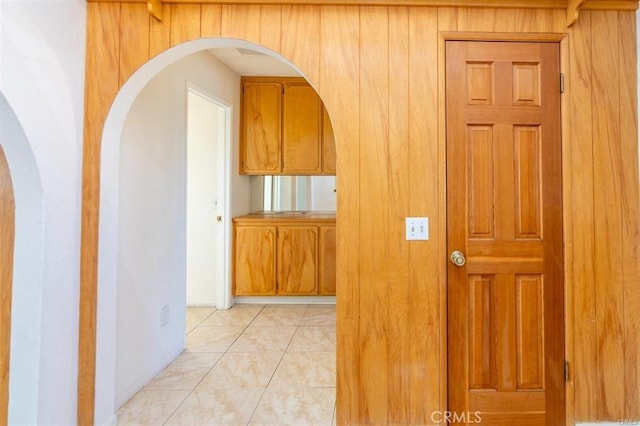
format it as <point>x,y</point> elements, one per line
<point>223,190</point>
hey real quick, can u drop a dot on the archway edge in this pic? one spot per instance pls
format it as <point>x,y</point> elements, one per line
<point>107,241</point>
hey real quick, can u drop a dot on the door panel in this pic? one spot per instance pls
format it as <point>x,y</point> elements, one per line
<point>504,194</point>
<point>297,260</point>
<point>255,260</point>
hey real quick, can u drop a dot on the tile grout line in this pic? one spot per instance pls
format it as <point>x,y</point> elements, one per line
<point>214,364</point>
<point>284,353</point>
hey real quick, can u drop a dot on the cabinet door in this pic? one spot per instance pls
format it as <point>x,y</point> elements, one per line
<point>328,145</point>
<point>301,130</point>
<point>254,262</point>
<point>327,249</point>
<point>261,118</point>
<point>297,259</point>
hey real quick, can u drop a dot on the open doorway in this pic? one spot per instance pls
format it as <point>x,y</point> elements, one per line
<point>208,131</point>
<point>144,236</point>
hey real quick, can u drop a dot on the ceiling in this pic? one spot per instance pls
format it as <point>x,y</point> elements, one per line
<point>247,62</point>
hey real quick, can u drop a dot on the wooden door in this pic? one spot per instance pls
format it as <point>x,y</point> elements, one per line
<point>327,249</point>
<point>297,259</point>
<point>504,194</point>
<point>301,130</point>
<point>260,127</point>
<point>255,260</point>
<point>328,145</point>
<point>7,234</point>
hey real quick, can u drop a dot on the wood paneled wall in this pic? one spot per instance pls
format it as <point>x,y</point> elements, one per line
<point>7,234</point>
<point>380,72</point>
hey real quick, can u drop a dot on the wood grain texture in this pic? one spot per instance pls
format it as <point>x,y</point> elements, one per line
<point>628,80</point>
<point>254,260</point>
<point>270,26</point>
<point>327,43</point>
<point>301,40</point>
<point>328,142</point>
<point>447,22</point>
<point>399,179</point>
<point>101,87</point>
<point>211,20</point>
<point>242,22</point>
<point>7,237</point>
<point>424,194</point>
<point>529,4</point>
<point>160,32</point>
<point>301,147</point>
<point>327,261</point>
<point>185,22</point>
<point>135,35</point>
<point>339,61</point>
<point>374,218</point>
<point>582,212</point>
<point>297,260</point>
<point>607,168</point>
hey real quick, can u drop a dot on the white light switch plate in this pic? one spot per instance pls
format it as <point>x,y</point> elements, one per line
<point>417,228</point>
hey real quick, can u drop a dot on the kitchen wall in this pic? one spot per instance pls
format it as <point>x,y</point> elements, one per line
<point>151,245</point>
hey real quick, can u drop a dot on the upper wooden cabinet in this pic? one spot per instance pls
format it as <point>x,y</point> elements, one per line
<point>285,129</point>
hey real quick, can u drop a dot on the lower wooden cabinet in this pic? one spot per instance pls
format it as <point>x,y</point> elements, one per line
<point>255,254</point>
<point>293,257</point>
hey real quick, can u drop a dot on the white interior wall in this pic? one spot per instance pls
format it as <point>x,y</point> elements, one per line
<point>205,133</point>
<point>151,218</point>
<point>42,48</point>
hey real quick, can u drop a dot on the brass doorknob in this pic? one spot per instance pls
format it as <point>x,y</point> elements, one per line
<point>457,258</point>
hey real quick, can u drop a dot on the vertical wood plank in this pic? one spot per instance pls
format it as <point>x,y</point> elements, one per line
<point>271,26</point>
<point>134,24</point>
<point>160,32</point>
<point>447,21</point>
<point>424,196</point>
<point>540,20</point>
<point>7,238</point>
<point>101,86</point>
<point>211,20</point>
<point>301,39</point>
<point>185,23</point>
<point>608,215</point>
<point>568,219</point>
<point>339,62</point>
<point>582,213</point>
<point>399,291</point>
<point>628,80</point>
<point>476,19</point>
<point>374,214</point>
<point>241,21</point>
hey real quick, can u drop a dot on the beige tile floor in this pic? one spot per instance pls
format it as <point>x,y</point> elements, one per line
<point>249,365</point>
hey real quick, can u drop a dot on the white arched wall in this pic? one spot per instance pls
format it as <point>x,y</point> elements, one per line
<point>107,399</point>
<point>26,301</point>
<point>42,47</point>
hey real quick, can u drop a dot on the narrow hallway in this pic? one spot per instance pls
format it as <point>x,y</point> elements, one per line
<point>251,364</point>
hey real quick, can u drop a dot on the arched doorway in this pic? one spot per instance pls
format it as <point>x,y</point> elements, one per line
<point>111,324</point>
<point>21,265</point>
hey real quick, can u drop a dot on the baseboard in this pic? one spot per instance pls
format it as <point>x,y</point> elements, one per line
<point>113,421</point>
<point>286,300</point>
<point>145,378</point>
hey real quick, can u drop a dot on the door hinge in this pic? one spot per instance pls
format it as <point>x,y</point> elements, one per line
<point>566,371</point>
<point>561,82</point>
